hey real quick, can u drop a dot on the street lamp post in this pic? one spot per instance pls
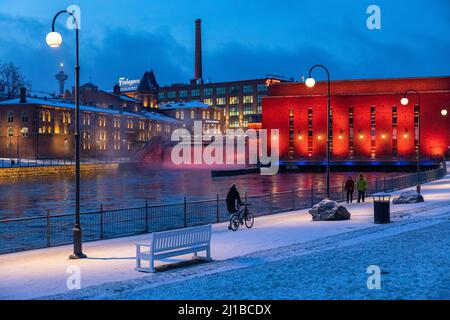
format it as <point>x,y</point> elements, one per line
<point>310,83</point>
<point>54,40</point>
<point>405,101</point>
<point>444,113</point>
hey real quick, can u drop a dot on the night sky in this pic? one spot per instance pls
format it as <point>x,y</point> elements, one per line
<point>241,39</point>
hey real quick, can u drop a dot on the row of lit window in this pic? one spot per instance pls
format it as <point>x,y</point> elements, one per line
<point>102,146</point>
<point>10,117</point>
<point>206,114</point>
<point>360,136</point>
<point>234,124</point>
<point>23,131</point>
<point>232,100</point>
<point>208,92</point>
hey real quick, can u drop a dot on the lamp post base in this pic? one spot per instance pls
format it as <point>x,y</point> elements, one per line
<point>77,256</point>
<point>77,245</point>
<point>418,189</point>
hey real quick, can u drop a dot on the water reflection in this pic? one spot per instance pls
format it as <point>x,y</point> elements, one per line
<point>33,196</point>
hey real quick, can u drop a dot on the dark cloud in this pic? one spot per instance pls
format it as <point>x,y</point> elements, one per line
<point>336,37</point>
<point>119,52</point>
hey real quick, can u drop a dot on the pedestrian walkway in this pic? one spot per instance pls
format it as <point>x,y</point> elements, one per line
<point>44,272</point>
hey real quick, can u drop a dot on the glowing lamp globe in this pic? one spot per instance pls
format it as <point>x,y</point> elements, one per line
<point>310,82</point>
<point>444,112</point>
<point>54,39</point>
<point>404,101</point>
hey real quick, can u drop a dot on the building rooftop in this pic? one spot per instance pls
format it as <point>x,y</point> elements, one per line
<point>362,86</point>
<point>148,82</point>
<point>65,105</point>
<point>184,105</point>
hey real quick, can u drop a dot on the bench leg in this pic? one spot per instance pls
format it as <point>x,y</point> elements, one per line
<point>152,264</point>
<point>139,262</point>
<point>138,259</point>
<point>207,258</point>
<point>208,253</point>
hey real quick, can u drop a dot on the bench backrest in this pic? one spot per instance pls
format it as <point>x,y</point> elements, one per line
<point>181,238</point>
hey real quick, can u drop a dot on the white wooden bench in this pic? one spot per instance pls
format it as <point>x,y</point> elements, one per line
<point>174,243</point>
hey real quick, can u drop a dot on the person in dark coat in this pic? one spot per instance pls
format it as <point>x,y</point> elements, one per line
<point>233,199</point>
<point>350,188</point>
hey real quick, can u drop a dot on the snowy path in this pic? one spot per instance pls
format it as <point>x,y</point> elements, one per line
<point>43,272</point>
<point>414,263</point>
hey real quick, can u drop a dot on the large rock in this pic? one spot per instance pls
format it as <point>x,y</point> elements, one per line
<point>328,210</point>
<point>409,197</point>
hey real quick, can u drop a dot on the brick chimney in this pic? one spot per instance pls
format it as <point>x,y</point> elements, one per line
<point>198,50</point>
<point>116,90</point>
<point>23,95</point>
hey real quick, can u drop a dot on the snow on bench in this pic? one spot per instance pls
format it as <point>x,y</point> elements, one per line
<point>174,243</point>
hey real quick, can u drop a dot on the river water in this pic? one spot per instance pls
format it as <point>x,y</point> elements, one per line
<point>131,187</point>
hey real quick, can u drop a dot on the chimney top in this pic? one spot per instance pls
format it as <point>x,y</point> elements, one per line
<point>198,74</point>
<point>23,95</point>
<point>116,89</point>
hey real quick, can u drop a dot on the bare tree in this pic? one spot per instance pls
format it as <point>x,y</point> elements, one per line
<point>12,79</point>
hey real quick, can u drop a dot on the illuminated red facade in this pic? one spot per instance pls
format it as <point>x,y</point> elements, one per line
<point>369,122</point>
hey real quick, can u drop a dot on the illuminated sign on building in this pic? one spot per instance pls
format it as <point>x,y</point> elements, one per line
<point>269,82</point>
<point>128,85</point>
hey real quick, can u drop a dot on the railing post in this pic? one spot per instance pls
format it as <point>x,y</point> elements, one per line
<point>312,196</point>
<point>102,235</point>
<point>293,200</point>
<point>49,229</point>
<point>217,210</point>
<point>270,202</point>
<point>146,216</point>
<point>185,212</point>
<point>384,181</point>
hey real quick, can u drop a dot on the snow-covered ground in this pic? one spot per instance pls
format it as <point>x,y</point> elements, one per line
<point>44,272</point>
<point>413,262</point>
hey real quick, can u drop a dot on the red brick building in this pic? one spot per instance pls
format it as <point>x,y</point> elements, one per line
<point>369,122</point>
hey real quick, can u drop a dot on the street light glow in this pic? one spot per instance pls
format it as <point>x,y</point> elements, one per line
<point>404,101</point>
<point>310,82</point>
<point>54,39</point>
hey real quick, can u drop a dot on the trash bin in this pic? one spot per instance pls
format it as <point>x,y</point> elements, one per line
<point>382,208</point>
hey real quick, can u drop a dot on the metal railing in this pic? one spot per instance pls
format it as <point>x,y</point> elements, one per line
<point>53,230</point>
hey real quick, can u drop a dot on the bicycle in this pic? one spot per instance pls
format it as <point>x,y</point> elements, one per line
<point>242,216</point>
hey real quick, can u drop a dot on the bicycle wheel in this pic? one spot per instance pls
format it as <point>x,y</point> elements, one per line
<point>235,222</point>
<point>249,220</point>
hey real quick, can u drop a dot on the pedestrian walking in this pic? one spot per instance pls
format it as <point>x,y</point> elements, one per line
<point>350,189</point>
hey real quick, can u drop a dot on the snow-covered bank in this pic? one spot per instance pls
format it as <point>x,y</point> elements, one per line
<point>414,264</point>
<point>44,272</point>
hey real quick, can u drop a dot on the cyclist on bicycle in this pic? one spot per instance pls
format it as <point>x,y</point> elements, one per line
<point>233,200</point>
